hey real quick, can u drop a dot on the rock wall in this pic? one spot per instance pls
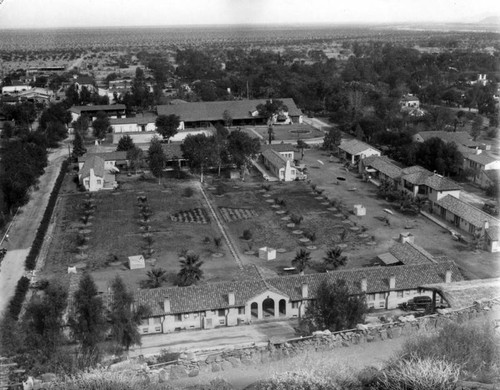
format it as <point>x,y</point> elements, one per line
<point>193,364</point>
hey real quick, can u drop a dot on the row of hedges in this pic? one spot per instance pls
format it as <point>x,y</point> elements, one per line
<point>16,302</point>
<point>44,224</point>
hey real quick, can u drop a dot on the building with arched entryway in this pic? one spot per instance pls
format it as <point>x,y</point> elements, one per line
<point>285,297</point>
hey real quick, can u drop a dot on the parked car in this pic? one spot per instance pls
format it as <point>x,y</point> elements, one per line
<point>417,303</point>
<point>491,208</point>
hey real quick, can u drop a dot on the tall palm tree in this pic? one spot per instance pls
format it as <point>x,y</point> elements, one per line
<point>334,258</point>
<point>156,277</point>
<point>191,271</point>
<point>301,260</point>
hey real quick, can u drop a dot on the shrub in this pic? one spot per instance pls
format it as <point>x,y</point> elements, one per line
<point>218,242</point>
<point>16,302</point>
<point>311,236</point>
<point>421,374</point>
<point>166,356</point>
<point>267,187</point>
<point>247,234</point>
<point>471,346</point>
<point>188,192</point>
<point>313,186</point>
<point>220,190</point>
<point>296,219</point>
<point>44,224</point>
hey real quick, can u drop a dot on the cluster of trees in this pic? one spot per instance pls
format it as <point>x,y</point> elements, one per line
<point>24,152</point>
<point>37,341</point>
<point>84,97</point>
<point>204,152</point>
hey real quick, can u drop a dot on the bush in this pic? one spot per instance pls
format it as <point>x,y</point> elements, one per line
<point>421,374</point>
<point>247,234</point>
<point>471,346</point>
<point>220,190</point>
<point>166,356</point>
<point>296,219</point>
<point>44,224</point>
<point>16,302</point>
<point>188,192</point>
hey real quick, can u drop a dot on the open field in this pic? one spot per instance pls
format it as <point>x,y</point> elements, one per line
<point>290,133</point>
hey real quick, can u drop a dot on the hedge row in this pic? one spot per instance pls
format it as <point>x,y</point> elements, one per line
<point>16,302</point>
<point>44,224</point>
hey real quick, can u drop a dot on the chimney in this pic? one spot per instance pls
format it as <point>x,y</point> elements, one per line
<point>447,276</point>
<point>166,305</point>
<point>364,284</point>
<point>231,299</point>
<point>305,290</point>
<point>406,237</point>
<point>486,225</point>
<point>392,282</point>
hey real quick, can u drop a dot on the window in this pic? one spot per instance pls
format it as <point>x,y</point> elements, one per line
<point>145,330</point>
<point>221,322</point>
<point>241,310</point>
<point>145,322</point>
<point>178,318</point>
<point>381,305</point>
<point>381,296</point>
<point>400,294</point>
<point>295,305</point>
<point>370,297</point>
<point>99,181</point>
<point>221,313</point>
<point>371,305</point>
<point>407,293</point>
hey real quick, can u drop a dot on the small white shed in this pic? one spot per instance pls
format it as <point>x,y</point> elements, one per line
<point>136,262</point>
<point>267,253</point>
<point>359,210</point>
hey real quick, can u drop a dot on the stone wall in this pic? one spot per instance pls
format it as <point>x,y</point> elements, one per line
<point>193,364</point>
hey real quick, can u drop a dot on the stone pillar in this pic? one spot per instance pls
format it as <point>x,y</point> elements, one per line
<point>276,308</point>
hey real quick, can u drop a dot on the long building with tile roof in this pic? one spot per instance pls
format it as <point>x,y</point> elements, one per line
<point>258,297</point>
<point>242,112</point>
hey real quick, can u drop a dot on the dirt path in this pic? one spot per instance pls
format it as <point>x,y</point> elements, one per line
<point>352,358</point>
<point>23,230</point>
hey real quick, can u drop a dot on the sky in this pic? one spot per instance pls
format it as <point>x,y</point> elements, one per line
<point>97,13</point>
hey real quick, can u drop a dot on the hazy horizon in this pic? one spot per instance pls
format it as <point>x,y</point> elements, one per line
<point>62,14</point>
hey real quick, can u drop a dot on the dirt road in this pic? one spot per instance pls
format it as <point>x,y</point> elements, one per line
<point>23,229</point>
<point>216,338</point>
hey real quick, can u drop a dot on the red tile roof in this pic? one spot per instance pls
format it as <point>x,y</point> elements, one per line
<point>213,111</point>
<point>467,212</point>
<point>214,296</point>
<point>354,147</point>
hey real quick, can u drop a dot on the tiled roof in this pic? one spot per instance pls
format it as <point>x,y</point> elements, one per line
<point>407,277</point>
<point>101,107</point>
<point>212,111</point>
<point>493,175</point>
<point>210,296</point>
<point>106,156</point>
<point>84,80</point>
<point>94,162</point>
<point>139,120</point>
<point>410,253</point>
<point>274,158</point>
<point>409,98</point>
<point>384,165</point>
<point>482,158</point>
<point>440,183</point>
<point>421,176</point>
<point>282,147</point>
<point>459,137</point>
<point>354,146</point>
<point>214,296</point>
<point>413,169</point>
<point>493,233</point>
<point>463,294</point>
<point>467,212</point>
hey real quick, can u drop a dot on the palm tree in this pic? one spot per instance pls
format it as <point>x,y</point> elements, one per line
<point>301,260</point>
<point>191,271</point>
<point>156,277</point>
<point>334,258</point>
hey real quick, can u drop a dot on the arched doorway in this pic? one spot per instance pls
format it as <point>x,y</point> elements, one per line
<point>254,309</point>
<point>282,307</point>
<point>268,307</point>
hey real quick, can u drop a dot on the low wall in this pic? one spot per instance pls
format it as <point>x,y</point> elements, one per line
<point>193,364</point>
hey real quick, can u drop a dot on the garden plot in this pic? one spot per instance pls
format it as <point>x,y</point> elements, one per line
<point>236,214</point>
<point>198,215</point>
